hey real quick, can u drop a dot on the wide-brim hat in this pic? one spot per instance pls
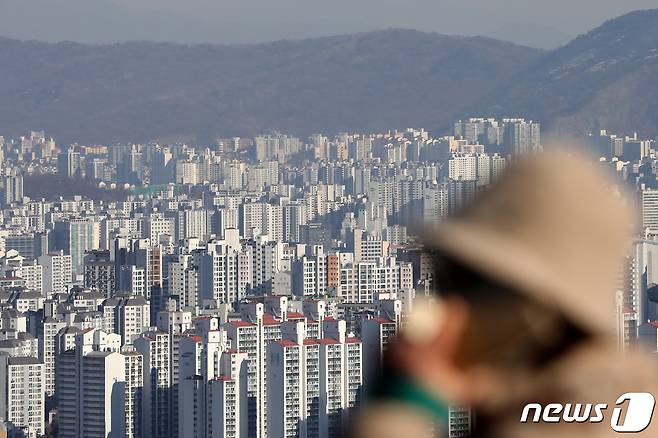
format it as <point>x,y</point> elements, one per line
<point>553,227</point>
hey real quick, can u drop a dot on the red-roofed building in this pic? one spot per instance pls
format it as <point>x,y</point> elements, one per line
<point>300,370</point>
<point>269,319</point>
<point>286,343</point>
<point>241,323</point>
<point>212,386</point>
<point>382,320</point>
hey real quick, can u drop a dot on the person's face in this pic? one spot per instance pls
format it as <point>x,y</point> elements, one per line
<point>428,349</point>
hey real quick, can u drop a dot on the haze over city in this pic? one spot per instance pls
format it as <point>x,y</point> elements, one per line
<point>534,22</point>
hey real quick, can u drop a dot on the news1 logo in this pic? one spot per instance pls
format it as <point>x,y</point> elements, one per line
<point>632,412</point>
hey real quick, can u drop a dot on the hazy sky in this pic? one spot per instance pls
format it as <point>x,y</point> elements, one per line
<point>229,21</point>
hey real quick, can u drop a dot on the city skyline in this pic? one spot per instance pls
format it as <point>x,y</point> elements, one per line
<point>298,219</point>
<point>250,288</point>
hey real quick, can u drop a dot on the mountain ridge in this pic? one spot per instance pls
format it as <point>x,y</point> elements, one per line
<point>145,91</point>
<point>142,91</point>
<point>589,83</point>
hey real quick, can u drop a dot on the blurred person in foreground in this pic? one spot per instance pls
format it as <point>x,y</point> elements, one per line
<point>525,279</point>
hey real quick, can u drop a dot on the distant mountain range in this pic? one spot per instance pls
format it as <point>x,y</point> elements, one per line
<point>143,91</point>
<point>607,78</point>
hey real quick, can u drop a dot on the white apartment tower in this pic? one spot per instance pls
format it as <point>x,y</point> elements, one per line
<point>47,352</point>
<point>155,347</point>
<point>212,385</point>
<point>56,272</point>
<point>134,393</point>
<point>312,383</point>
<point>224,271</point>
<point>184,280</point>
<point>359,282</point>
<point>91,387</point>
<point>128,315</point>
<point>228,397</point>
<point>650,209</point>
<point>174,324</point>
<point>22,393</point>
<point>435,203</point>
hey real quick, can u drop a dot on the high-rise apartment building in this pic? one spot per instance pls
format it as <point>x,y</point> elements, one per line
<point>22,393</point>
<point>75,237</point>
<point>435,203</point>
<point>100,273</point>
<point>57,272</point>
<point>155,347</point>
<point>48,351</point>
<point>212,385</point>
<point>12,188</point>
<point>99,388</point>
<point>521,136</point>
<point>69,164</point>
<point>649,199</point>
<point>129,316</point>
<point>312,384</point>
